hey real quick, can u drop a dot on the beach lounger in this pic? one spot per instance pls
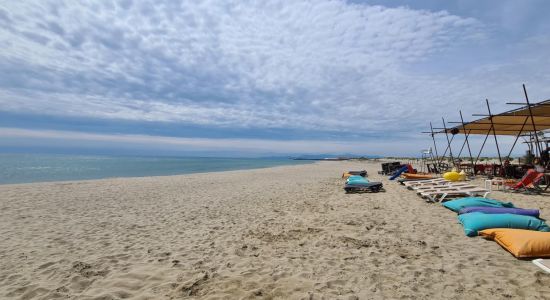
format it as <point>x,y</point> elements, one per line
<point>544,264</point>
<point>437,192</point>
<point>410,184</point>
<point>403,180</point>
<point>437,183</point>
<point>420,189</point>
<point>442,184</point>
<point>441,195</point>
<point>359,187</point>
<point>420,181</point>
<point>529,182</point>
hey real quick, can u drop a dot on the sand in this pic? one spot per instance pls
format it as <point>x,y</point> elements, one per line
<point>277,233</point>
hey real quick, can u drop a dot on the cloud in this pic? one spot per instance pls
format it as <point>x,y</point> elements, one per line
<point>151,144</point>
<point>338,70</point>
<point>13,137</point>
<point>269,64</point>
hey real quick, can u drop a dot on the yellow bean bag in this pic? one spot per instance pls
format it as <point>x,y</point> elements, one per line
<point>452,176</point>
<point>521,243</point>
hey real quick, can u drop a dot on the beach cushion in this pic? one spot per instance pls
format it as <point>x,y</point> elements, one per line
<point>458,204</point>
<point>500,210</point>
<point>354,173</point>
<point>519,242</point>
<point>476,221</point>
<point>452,176</point>
<point>357,179</point>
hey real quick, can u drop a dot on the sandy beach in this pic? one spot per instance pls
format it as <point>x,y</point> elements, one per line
<point>277,233</point>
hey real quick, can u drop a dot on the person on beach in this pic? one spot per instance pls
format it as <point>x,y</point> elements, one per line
<point>537,165</point>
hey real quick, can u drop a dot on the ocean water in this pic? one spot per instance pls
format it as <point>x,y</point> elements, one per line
<point>26,168</point>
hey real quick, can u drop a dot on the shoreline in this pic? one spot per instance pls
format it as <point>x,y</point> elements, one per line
<point>167,175</point>
<point>284,232</point>
<point>143,177</point>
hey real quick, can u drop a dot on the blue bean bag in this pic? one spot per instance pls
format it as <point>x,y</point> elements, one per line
<point>476,221</point>
<point>458,204</point>
<point>500,210</point>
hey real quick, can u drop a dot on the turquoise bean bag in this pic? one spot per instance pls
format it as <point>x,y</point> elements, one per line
<point>477,221</point>
<point>458,204</point>
<point>357,179</point>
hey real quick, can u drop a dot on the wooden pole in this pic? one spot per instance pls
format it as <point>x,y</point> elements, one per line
<point>494,133</point>
<point>532,120</point>
<point>448,141</point>
<point>435,146</point>
<point>467,142</point>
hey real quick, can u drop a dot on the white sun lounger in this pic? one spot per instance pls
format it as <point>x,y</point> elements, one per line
<point>444,183</point>
<point>410,184</point>
<point>444,187</point>
<point>434,184</point>
<point>544,264</point>
<point>451,188</point>
<point>439,196</point>
<point>441,185</point>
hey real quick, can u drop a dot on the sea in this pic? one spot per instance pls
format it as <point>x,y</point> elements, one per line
<point>27,168</point>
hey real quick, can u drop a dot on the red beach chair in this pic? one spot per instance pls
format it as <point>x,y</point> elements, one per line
<point>528,182</point>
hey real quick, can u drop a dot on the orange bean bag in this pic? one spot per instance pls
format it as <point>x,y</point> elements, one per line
<point>417,176</point>
<point>521,243</point>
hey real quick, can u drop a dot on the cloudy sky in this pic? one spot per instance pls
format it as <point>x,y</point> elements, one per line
<point>260,77</point>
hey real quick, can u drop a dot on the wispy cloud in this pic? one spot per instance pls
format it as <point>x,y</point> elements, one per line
<point>15,137</point>
<point>304,64</point>
<point>12,137</point>
<point>258,65</point>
